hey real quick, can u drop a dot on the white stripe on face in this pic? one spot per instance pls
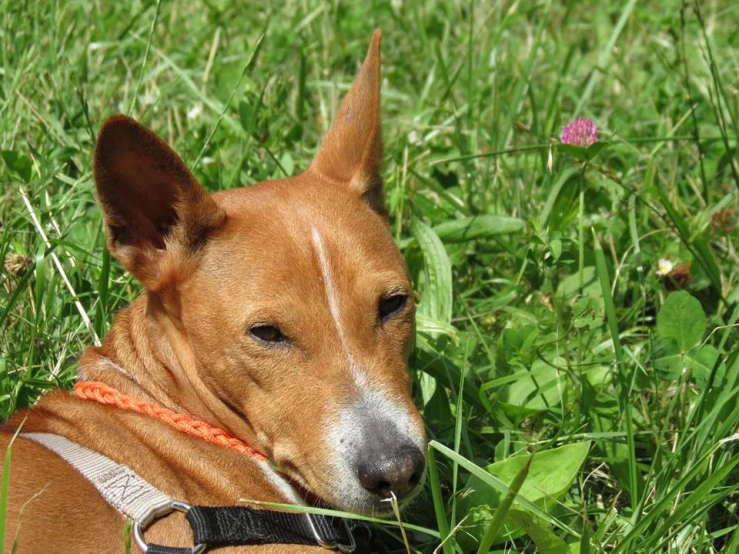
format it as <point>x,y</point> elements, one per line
<point>331,297</point>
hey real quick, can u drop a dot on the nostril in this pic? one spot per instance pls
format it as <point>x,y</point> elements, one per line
<point>400,473</point>
<point>415,478</point>
<point>373,478</point>
<point>384,489</point>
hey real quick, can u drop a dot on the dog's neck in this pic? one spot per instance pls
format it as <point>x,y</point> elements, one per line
<point>146,355</point>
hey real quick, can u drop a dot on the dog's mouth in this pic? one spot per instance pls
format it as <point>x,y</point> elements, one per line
<point>350,495</point>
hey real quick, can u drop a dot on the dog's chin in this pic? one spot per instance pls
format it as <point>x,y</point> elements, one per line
<point>348,495</point>
<point>361,502</point>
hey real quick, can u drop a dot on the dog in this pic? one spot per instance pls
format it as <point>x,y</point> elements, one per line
<point>280,314</point>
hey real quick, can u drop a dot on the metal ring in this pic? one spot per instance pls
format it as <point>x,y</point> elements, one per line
<point>345,548</point>
<point>351,547</point>
<point>139,527</point>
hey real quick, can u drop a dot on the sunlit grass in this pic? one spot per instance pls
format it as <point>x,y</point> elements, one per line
<point>536,265</point>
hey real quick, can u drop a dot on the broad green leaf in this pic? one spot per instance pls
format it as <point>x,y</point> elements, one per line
<point>681,324</point>
<point>534,390</point>
<point>436,410</point>
<point>569,288</point>
<point>517,343</point>
<point>542,534</point>
<point>428,387</point>
<point>582,153</point>
<point>551,473</point>
<point>593,150</point>
<point>670,362</point>
<point>701,362</point>
<point>481,226</point>
<point>434,327</point>
<point>550,476</point>
<point>577,152</point>
<point>556,247</point>
<point>436,288</point>
<point>667,359</point>
<point>246,117</point>
<point>288,163</point>
<point>682,318</point>
<point>17,163</point>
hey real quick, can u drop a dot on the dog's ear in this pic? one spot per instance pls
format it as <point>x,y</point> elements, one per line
<point>351,152</point>
<point>156,213</point>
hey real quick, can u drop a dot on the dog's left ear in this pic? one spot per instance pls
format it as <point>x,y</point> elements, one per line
<point>157,216</point>
<point>351,152</point>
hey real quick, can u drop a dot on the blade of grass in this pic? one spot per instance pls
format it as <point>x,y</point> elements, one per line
<point>697,245</point>
<point>6,488</point>
<point>459,415</point>
<point>605,55</point>
<point>247,66</point>
<point>60,269</point>
<point>341,514</point>
<point>663,506</point>
<point>500,486</point>
<point>502,510</point>
<point>396,512</point>
<point>624,381</point>
<point>438,501</point>
<point>145,59</point>
<point>686,511</point>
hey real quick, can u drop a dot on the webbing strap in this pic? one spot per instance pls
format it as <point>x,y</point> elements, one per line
<point>158,549</point>
<point>123,488</point>
<point>242,525</point>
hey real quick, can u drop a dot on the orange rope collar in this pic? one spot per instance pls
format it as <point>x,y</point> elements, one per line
<point>92,390</point>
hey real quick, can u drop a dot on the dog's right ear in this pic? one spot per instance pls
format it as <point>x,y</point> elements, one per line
<point>156,213</point>
<point>351,151</point>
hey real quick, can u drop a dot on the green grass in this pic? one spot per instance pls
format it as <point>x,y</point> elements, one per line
<point>540,321</point>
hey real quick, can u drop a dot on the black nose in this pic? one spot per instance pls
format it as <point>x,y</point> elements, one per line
<point>398,472</point>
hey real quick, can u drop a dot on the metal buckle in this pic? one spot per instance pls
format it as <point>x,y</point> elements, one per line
<point>345,548</point>
<point>140,526</point>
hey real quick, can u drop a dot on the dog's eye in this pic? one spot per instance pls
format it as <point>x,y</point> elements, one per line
<point>391,305</point>
<point>268,334</point>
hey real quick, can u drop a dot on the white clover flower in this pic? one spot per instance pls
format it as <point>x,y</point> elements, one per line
<point>195,112</point>
<point>664,267</point>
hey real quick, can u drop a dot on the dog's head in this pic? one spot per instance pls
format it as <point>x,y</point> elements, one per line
<point>286,304</point>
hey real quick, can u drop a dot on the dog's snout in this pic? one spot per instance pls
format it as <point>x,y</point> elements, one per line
<point>399,472</point>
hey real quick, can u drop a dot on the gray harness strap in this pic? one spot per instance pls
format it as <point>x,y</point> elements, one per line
<point>122,487</point>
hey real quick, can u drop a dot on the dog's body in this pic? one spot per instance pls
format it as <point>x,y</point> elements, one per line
<point>281,313</point>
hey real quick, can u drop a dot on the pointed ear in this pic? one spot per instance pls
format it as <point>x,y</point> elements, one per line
<point>156,213</point>
<point>351,152</point>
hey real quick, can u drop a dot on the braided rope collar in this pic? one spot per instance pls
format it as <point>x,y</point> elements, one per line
<point>103,394</point>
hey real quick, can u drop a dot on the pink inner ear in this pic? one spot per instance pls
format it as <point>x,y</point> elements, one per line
<point>143,202</point>
<point>139,181</point>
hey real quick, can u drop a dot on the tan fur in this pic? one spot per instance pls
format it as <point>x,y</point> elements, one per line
<point>212,266</point>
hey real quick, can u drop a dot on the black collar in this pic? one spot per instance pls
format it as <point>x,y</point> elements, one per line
<point>239,526</point>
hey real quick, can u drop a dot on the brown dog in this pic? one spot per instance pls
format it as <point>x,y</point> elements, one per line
<point>281,313</point>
